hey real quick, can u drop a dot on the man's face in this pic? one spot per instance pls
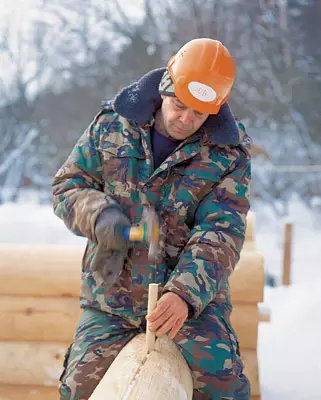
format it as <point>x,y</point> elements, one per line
<point>180,121</point>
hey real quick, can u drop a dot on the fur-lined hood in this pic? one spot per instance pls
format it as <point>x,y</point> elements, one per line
<point>140,100</point>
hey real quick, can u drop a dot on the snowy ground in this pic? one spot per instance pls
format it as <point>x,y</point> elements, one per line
<point>289,346</point>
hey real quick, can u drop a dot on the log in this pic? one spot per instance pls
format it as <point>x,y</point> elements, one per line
<point>31,363</point>
<point>265,317</point>
<point>40,270</point>
<point>245,319</point>
<point>14,392</point>
<point>40,364</point>
<point>247,280</point>
<point>26,318</point>
<point>251,369</point>
<point>116,382</point>
<point>51,270</point>
<point>249,246</point>
<point>249,233</point>
<point>134,374</point>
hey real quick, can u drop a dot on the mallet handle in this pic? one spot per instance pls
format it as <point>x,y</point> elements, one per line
<point>152,301</point>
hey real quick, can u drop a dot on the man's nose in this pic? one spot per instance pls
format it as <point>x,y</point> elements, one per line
<point>186,117</point>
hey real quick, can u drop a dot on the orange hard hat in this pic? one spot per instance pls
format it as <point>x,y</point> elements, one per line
<point>203,73</point>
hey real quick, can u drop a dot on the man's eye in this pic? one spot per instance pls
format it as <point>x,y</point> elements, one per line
<point>179,106</point>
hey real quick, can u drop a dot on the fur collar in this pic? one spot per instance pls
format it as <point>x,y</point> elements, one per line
<point>140,100</point>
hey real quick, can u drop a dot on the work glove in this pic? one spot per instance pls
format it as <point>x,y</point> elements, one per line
<point>112,248</point>
<point>109,229</point>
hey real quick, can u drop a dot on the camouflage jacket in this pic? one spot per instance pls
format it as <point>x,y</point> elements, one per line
<point>200,192</point>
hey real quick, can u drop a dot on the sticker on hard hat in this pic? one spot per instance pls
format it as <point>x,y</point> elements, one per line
<point>201,91</point>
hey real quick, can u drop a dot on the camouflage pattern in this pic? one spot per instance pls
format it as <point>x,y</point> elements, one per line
<point>207,344</point>
<point>201,195</point>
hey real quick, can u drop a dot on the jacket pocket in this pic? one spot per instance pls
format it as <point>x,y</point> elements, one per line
<point>122,169</point>
<point>189,188</point>
<point>177,233</point>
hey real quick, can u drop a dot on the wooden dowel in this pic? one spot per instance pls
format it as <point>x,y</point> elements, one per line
<point>152,301</point>
<point>287,250</point>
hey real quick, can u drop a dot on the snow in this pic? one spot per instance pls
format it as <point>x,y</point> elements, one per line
<point>31,223</point>
<point>289,345</point>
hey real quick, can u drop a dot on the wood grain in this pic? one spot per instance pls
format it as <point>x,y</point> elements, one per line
<point>23,392</point>
<point>162,374</point>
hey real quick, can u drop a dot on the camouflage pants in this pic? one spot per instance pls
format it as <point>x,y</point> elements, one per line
<point>208,345</point>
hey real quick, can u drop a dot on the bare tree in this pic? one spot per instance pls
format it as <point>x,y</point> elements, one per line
<point>78,53</point>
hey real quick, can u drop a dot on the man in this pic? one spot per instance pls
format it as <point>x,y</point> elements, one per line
<point>170,142</point>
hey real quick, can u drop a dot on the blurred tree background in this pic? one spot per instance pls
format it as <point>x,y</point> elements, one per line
<point>72,54</point>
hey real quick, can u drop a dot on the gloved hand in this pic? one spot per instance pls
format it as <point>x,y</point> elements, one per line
<point>109,230</point>
<point>112,247</point>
